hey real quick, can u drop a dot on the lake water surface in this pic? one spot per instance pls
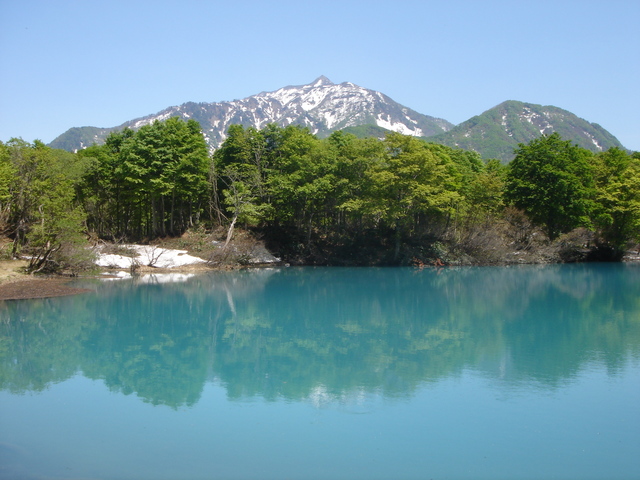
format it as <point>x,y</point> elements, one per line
<point>526,372</point>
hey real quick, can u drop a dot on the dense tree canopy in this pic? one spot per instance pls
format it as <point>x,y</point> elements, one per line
<point>563,186</point>
<point>148,183</point>
<point>39,206</point>
<point>338,200</point>
<point>617,209</point>
<point>551,180</point>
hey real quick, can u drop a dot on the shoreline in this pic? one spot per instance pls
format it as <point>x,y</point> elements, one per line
<point>17,285</point>
<point>32,288</point>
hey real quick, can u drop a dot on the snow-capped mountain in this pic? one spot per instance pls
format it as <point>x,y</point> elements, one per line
<point>322,106</point>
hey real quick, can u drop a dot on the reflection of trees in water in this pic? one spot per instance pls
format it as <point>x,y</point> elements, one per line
<point>41,342</point>
<point>590,313</point>
<point>325,334</point>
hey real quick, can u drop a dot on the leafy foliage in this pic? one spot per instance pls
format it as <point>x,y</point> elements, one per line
<point>365,131</point>
<point>552,181</point>
<point>617,211</point>
<point>149,183</point>
<point>337,200</point>
<point>43,216</point>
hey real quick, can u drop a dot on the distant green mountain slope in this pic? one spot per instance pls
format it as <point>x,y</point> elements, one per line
<point>498,131</point>
<point>369,130</point>
<point>80,137</point>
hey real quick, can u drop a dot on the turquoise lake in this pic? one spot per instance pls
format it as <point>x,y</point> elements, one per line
<point>528,372</point>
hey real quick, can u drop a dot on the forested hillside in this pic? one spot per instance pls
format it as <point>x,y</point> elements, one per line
<point>340,200</point>
<point>497,132</point>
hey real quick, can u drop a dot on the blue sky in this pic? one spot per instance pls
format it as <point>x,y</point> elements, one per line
<point>71,63</point>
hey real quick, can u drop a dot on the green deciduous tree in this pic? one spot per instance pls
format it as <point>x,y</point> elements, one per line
<point>301,179</point>
<point>552,181</point>
<point>617,199</point>
<point>7,178</point>
<point>47,221</point>
<point>240,169</point>
<point>148,183</point>
<point>406,186</point>
<point>485,193</point>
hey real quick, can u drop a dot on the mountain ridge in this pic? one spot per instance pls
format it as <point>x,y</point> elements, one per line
<point>321,105</point>
<point>324,107</point>
<point>497,132</point>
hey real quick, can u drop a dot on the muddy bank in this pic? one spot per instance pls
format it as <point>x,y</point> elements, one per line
<point>37,288</point>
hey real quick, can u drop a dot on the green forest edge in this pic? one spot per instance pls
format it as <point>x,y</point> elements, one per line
<point>341,200</point>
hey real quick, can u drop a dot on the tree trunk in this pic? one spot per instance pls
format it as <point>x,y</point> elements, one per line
<point>396,251</point>
<point>173,212</point>
<point>230,231</point>
<point>309,229</point>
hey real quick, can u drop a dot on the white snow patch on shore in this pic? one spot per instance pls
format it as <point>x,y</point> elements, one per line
<point>150,256</point>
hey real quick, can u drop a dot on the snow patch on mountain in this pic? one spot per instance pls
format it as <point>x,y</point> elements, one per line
<point>322,106</point>
<point>397,126</point>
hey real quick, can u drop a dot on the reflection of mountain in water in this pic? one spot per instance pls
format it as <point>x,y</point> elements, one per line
<point>328,335</point>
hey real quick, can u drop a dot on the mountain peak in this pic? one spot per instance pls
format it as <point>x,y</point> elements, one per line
<point>497,132</point>
<point>324,107</point>
<point>321,81</point>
